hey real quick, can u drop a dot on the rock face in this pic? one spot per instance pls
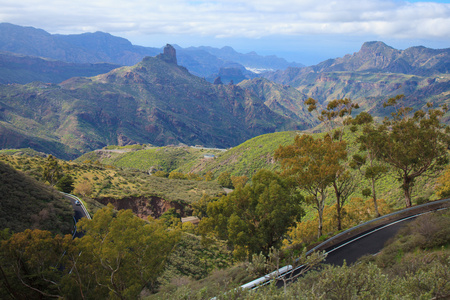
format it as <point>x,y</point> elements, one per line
<point>144,206</point>
<point>169,55</point>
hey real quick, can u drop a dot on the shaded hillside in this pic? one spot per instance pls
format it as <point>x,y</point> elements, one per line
<point>155,102</point>
<point>15,68</point>
<point>27,203</point>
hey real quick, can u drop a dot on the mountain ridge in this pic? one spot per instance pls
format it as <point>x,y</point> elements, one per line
<point>155,101</point>
<point>373,75</point>
<point>101,47</point>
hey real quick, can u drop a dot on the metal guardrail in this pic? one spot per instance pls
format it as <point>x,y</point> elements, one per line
<point>381,221</point>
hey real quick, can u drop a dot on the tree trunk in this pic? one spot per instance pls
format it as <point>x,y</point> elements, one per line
<point>319,231</point>
<point>407,190</point>
<point>338,206</point>
<point>320,207</point>
<point>339,223</point>
<point>375,204</point>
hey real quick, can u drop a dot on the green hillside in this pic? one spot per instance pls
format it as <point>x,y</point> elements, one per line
<point>244,159</point>
<point>149,158</point>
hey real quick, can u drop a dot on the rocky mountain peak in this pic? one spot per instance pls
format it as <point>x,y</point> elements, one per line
<point>169,55</point>
<point>377,48</point>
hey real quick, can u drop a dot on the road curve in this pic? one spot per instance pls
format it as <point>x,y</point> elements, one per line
<point>79,211</point>
<point>365,239</point>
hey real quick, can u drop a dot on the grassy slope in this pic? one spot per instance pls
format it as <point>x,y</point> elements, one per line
<point>244,159</point>
<point>161,158</point>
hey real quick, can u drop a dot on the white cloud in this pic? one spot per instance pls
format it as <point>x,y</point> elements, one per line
<point>234,18</point>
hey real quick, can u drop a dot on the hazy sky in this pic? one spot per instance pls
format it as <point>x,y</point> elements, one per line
<point>306,31</point>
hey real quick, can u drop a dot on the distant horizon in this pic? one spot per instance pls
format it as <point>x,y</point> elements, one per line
<point>303,31</point>
<point>339,51</point>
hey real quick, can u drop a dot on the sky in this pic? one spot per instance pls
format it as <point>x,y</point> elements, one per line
<point>305,31</point>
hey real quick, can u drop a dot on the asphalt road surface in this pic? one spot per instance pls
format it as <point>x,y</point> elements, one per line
<point>366,243</point>
<point>79,212</point>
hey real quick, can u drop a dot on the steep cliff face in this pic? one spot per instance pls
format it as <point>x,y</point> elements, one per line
<point>144,207</point>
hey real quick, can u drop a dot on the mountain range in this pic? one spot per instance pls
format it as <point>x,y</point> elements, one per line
<point>374,74</point>
<point>77,104</point>
<point>155,101</point>
<point>101,47</point>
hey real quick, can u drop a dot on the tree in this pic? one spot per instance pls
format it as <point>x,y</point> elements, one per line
<point>29,264</point>
<point>336,109</point>
<point>171,218</point>
<point>239,180</point>
<point>208,176</point>
<point>224,180</point>
<point>176,175</point>
<point>313,164</point>
<point>343,185</point>
<point>443,188</point>
<point>65,184</point>
<point>193,176</point>
<point>373,170</point>
<point>200,206</point>
<point>256,216</point>
<point>338,112</point>
<point>122,253</point>
<point>51,171</point>
<point>411,144</point>
<point>83,188</point>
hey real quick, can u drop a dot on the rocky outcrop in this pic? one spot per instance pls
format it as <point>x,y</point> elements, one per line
<point>145,206</point>
<point>169,55</point>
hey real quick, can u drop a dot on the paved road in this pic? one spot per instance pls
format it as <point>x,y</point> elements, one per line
<point>79,211</point>
<point>367,243</point>
<point>370,242</point>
